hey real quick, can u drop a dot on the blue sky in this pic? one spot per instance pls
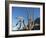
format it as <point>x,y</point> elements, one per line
<point>22,11</point>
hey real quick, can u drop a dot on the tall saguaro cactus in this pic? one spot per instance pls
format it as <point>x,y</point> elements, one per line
<point>30,16</point>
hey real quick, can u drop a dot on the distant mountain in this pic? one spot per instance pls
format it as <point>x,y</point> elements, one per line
<point>37,21</point>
